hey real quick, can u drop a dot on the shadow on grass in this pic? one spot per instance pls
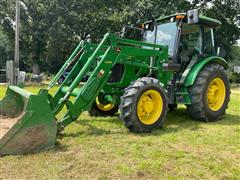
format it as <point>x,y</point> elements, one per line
<point>60,147</point>
<point>180,116</point>
<point>176,121</point>
<point>93,129</point>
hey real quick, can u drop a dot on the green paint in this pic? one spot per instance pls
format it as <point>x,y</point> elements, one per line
<point>37,127</point>
<point>192,75</point>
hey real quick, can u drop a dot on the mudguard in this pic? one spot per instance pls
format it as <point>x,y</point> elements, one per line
<point>193,73</point>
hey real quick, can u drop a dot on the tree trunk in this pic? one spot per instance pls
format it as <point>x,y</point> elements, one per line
<point>35,68</point>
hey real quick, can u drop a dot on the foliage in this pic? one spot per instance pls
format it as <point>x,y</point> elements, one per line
<point>235,57</point>
<point>234,77</point>
<point>51,28</point>
<point>6,52</point>
<point>227,11</point>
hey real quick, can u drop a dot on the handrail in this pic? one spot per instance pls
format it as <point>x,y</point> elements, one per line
<point>139,43</point>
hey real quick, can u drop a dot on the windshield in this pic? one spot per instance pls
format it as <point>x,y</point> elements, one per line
<point>166,35</point>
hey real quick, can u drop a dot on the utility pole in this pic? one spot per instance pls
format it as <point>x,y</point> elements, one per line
<point>16,54</point>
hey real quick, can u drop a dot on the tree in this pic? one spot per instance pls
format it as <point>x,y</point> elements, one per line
<point>227,11</point>
<point>6,33</point>
<point>50,29</point>
<point>6,53</point>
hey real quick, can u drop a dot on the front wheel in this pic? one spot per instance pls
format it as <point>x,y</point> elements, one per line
<point>209,94</point>
<point>99,108</point>
<point>143,105</point>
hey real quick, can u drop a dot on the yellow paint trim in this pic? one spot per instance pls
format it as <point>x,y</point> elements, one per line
<point>216,94</point>
<point>149,107</point>
<point>103,107</point>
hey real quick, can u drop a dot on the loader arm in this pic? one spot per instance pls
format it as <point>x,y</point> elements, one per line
<point>103,57</point>
<point>34,117</point>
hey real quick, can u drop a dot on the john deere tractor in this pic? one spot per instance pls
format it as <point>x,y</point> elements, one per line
<point>145,71</point>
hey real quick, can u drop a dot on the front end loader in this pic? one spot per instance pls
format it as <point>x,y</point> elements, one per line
<point>165,62</point>
<point>27,122</point>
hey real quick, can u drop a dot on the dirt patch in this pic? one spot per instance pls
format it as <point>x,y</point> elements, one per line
<point>6,123</point>
<point>30,140</point>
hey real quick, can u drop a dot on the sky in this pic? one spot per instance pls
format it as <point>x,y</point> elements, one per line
<point>238,42</point>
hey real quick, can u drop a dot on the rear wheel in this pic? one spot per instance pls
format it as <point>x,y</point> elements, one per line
<point>143,105</point>
<point>99,108</point>
<point>209,94</point>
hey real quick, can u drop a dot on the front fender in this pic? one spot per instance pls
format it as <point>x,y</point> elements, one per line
<point>193,73</point>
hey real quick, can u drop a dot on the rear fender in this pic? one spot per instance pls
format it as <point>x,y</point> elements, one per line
<point>193,73</point>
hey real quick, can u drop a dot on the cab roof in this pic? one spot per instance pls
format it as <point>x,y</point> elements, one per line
<point>204,20</point>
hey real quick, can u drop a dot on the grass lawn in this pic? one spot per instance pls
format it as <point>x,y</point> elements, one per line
<point>102,148</point>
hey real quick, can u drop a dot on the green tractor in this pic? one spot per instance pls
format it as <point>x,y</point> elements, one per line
<point>144,72</point>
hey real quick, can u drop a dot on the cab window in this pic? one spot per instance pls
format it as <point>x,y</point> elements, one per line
<point>208,46</point>
<point>190,42</point>
<point>166,35</point>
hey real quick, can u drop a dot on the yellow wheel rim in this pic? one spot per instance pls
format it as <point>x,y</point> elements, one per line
<point>216,94</point>
<point>104,107</point>
<point>149,107</point>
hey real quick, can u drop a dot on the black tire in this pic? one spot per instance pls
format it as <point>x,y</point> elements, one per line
<point>200,108</point>
<point>129,104</point>
<point>172,107</point>
<point>96,112</point>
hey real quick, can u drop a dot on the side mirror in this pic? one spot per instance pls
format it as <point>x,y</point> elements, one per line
<point>132,32</point>
<point>193,16</point>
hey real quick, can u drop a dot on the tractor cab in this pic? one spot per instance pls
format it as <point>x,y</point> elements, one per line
<point>186,35</point>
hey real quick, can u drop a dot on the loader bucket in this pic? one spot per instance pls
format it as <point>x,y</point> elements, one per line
<point>27,123</point>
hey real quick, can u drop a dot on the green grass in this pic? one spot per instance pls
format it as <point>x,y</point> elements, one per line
<point>102,148</point>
